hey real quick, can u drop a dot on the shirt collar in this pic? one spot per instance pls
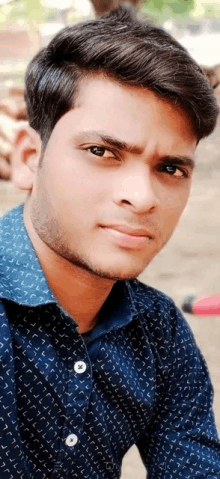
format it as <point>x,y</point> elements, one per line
<point>117,311</point>
<point>23,280</point>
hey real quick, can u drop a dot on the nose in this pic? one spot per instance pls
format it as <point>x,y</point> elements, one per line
<point>138,190</point>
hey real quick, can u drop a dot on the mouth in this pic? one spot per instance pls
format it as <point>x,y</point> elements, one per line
<point>127,237</point>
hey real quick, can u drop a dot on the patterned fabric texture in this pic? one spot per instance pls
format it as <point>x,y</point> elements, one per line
<point>71,409</point>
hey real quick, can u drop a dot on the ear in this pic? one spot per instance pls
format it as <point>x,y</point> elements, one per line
<point>25,158</point>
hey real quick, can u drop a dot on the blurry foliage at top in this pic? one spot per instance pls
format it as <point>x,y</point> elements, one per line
<point>160,10</point>
<point>208,9</point>
<point>181,12</point>
<point>24,11</point>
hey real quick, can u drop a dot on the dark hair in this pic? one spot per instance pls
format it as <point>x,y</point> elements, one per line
<point>127,49</point>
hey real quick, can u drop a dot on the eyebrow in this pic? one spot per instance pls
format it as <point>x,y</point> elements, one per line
<point>112,142</point>
<point>109,141</point>
<point>179,160</point>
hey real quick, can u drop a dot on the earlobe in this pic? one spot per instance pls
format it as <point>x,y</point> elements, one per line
<point>25,157</point>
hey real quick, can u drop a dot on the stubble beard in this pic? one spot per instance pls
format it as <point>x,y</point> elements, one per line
<point>50,233</point>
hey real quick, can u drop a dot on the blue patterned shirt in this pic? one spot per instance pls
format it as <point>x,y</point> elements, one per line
<point>71,409</point>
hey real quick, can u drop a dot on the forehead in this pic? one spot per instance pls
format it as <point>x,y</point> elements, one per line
<point>108,90</point>
<point>127,112</point>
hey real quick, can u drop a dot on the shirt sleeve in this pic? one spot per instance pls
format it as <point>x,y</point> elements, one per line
<point>12,456</point>
<point>182,440</point>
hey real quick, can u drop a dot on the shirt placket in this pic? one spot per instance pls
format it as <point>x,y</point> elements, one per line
<point>78,392</point>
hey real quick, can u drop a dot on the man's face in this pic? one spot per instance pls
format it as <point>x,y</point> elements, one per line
<point>114,179</point>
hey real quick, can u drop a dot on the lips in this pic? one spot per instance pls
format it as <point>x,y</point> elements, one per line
<point>127,237</point>
<point>129,231</point>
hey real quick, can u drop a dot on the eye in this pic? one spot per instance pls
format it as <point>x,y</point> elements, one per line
<point>101,151</point>
<point>175,171</point>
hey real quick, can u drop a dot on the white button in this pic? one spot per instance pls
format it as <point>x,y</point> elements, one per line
<point>71,440</point>
<point>80,367</point>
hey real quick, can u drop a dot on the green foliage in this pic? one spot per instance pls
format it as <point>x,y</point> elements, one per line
<point>212,10</point>
<point>34,10</point>
<point>160,10</point>
<point>25,10</point>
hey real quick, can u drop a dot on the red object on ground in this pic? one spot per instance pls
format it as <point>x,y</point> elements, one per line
<point>208,306</point>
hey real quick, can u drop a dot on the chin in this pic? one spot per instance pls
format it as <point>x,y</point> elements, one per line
<point>118,276</point>
<point>118,273</point>
<point>119,268</point>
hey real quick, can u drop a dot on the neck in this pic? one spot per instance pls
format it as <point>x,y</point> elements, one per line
<point>80,292</point>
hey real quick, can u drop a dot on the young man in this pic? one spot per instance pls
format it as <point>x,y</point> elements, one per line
<point>93,361</point>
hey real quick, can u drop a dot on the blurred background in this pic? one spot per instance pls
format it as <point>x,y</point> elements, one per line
<point>28,25</point>
<point>190,263</point>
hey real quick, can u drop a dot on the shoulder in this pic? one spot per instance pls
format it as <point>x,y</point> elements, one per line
<point>11,248</point>
<point>153,304</point>
<point>169,335</point>
<point>10,228</point>
<point>160,317</point>
<point>9,219</point>
<point>147,297</point>
<point>5,334</point>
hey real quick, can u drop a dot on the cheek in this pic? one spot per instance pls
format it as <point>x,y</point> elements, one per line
<point>74,182</point>
<point>173,203</point>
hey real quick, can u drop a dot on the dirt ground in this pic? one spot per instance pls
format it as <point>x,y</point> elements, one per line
<point>189,264</point>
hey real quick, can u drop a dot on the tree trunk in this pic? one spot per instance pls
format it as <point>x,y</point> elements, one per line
<point>103,6</point>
